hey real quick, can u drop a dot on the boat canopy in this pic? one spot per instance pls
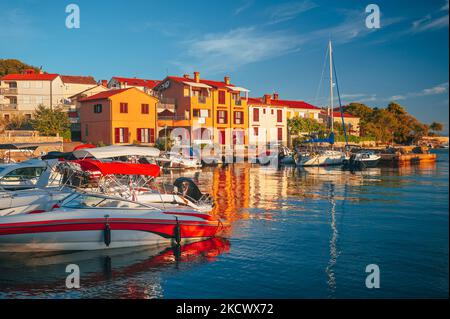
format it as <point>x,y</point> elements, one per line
<point>330,139</point>
<point>116,151</point>
<point>117,168</point>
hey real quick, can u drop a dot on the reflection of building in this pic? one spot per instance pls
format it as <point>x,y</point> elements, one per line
<point>121,116</point>
<point>230,190</point>
<point>211,111</point>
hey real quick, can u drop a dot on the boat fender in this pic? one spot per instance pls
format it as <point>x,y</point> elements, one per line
<point>107,232</point>
<point>177,232</point>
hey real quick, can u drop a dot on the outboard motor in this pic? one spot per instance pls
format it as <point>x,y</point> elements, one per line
<point>188,188</point>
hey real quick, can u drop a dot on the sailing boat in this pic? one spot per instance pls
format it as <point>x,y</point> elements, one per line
<point>324,157</point>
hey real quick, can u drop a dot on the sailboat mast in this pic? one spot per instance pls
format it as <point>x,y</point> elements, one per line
<point>331,86</point>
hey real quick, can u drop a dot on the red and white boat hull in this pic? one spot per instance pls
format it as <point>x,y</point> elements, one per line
<point>80,230</point>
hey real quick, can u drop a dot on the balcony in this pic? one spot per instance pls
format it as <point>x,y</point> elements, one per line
<point>202,99</point>
<point>166,104</point>
<point>173,117</point>
<point>6,91</point>
<point>8,107</point>
<point>238,102</point>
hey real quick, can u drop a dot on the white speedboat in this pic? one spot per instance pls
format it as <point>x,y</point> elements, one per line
<point>127,180</point>
<point>87,221</point>
<point>320,158</point>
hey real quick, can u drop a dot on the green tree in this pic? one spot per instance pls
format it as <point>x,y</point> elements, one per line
<point>51,122</point>
<point>8,66</point>
<point>436,127</point>
<point>298,125</point>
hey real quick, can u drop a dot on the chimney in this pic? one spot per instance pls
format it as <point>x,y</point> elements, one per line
<point>28,71</point>
<point>226,79</point>
<point>197,76</point>
<point>186,76</point>
<point>267,98</point>
<point>105,83</point>
<point>275,96</point>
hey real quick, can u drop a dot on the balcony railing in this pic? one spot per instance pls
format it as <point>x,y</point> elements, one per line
<point>173,118</point>
<point>238,102</point>
<point>202,99</point>
<point>166,104</point>
<point>4,91</point>
<point>8,107</point>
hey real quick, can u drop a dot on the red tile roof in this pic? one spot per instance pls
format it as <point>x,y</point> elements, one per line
<point>137,82</point>
<point>286,103</point>
<point>78,79</point>
<point>216,84</point>
<point>29,77</point>
<point>103,95</point>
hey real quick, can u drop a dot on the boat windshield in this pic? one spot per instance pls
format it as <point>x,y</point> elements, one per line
<point>92,201</point>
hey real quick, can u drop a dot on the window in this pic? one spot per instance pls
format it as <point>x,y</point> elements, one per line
<point>6,117</point>
<point>222,117</point>
<point>146,135</point>
<point>271,112</point>
<point>221,97</point>
<point>238,117</point>
<point>27,117</point>
<point>255,131</point>
<point>97,108</point>
<point>264,111</point>
<point>279,116</point>
<point>121,135</point>
<point>255,115</point>
<point>30,175</point>
<point>123,107</point>
<point>145,109</point>
<point>238,138</point>
<point>200,113</point>
<point>280,134</point>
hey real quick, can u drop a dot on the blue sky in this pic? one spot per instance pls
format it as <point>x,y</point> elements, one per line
<point>263,45</point>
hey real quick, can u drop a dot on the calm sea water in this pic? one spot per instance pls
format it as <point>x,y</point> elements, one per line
<point>297,233</point>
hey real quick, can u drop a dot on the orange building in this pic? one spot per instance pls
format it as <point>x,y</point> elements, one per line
<point>121,116</point>
<point>211,111</point>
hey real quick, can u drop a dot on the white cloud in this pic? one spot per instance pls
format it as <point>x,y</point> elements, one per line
<point>287,11</point>
<point>438,89</point>
<point>245,5</point>
<point>216,52</point>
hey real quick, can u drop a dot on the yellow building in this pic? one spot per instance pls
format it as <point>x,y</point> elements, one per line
<point>122,116</point>
<point>210,111</point>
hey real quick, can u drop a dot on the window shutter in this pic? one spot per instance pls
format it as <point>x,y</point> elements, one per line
<point>279,116</point>
<point>152,135</point>
<point>226,118</point>
<point>256,115</point>
<point>139,135</point>
<point>280,134</point>
<point>117,135</point>
<point>125,135</point>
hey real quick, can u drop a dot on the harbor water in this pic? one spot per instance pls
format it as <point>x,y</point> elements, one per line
<point>296,233</point>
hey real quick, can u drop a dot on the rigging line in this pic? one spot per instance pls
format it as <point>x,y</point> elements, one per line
<point>321,77</point>
<point>340,104</point>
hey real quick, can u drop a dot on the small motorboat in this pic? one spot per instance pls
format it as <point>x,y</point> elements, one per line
<point>320,158</point>
<point>361,160</point>
<point>88,221</point>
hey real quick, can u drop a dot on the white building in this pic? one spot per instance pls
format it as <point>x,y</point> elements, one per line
<point>23,93</point>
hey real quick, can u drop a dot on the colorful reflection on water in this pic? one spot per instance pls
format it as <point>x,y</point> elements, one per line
<point>296,233</point>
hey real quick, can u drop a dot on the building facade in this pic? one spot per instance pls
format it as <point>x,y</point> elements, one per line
<point>23,93</point>
<point>267,122</point>
<point>144,85</point>
<point>351,121</point>
<point>211,112</point>
<point>121,116</point>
